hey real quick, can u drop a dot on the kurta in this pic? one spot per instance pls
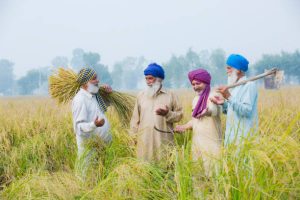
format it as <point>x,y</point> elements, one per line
<point>85,110</point>
<point>207,134</point>
<point>152,144</point>
<point>241,109</point>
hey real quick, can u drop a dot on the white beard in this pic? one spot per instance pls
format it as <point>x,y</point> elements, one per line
<point>91,88</point>
<point>153,89</point>
<point>232,78</point>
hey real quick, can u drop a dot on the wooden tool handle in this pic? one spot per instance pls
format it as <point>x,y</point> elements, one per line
<point>272,71</point>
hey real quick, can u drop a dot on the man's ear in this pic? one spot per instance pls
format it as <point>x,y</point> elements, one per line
<point>240,73</point>
<point>84,86</point>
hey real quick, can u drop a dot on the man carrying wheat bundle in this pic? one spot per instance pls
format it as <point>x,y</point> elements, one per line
<point>88,109</point>
<point>89,105</point>
<point>240,104</point>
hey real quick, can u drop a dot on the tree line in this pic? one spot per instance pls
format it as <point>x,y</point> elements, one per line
<point>127,74</point>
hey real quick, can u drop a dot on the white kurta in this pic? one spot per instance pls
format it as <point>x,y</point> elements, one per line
<point>85,110</point>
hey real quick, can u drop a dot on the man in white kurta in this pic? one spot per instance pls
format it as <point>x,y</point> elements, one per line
<point>89,119</point>
<point>85,110</point>
<point>155,111</point>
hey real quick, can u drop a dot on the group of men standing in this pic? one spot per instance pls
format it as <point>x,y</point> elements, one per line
<point>157,109</point>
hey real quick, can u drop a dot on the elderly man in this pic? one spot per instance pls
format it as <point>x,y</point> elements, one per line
<point>205,122</point>
<point>155,111</point>
<point>240,104</point>
<point>88,110</point>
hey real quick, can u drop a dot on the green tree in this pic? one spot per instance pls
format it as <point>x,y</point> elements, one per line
<point>6,76</point>
<point>217,66</point>
<point>128,73</point>
<point>288,62</point>
<point>32,81</point>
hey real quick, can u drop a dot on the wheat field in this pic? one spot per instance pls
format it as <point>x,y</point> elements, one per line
<point>38,157</point>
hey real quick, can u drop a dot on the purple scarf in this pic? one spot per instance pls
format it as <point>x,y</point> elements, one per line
<point>203,76</point>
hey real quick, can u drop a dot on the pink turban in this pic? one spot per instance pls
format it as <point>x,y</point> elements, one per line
<point>203,76</point>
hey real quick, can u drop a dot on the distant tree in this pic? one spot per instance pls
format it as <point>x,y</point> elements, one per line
<point>31,81</point>
<point>103,74</point>
<point>6,76</point>
<point>177,69</point>
<point>91,59</point>
<point>82,59</point>
<point>128,73</point>
<point>289,62</point>
<point>217,66</point>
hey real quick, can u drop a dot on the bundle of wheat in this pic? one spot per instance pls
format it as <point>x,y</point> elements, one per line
<point>63,87</point>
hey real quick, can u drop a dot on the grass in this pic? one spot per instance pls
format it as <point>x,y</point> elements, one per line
<point>38,157</point>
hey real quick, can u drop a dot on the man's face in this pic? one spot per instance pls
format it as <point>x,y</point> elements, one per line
<point>198,86</point>
<point>94,80</point>
<point>229,70</point>
<point>150,80</point>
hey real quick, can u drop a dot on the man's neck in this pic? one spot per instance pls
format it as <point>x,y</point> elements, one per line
<point>240,77</point>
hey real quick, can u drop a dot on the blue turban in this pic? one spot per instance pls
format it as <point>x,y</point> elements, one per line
<point>155,70</point>
<point>238,62</point>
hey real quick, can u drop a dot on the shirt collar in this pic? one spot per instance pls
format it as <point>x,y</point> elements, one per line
<point>86,93</point>
<point>162,90</point>
<point>242,79</point>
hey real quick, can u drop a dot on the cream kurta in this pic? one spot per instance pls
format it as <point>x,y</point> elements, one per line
<point>207,134</point>
<point>150,142</point>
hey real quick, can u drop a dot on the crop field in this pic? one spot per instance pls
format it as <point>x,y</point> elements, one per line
<point>38,157</point>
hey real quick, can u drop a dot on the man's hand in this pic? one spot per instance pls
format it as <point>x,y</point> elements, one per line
<point>107,88</point>
<point>217,100</point>
<point>180,128</point>
<point>99,122</point>
<point>223,90</point>
<point>203,113</point>
<point>162,111</point>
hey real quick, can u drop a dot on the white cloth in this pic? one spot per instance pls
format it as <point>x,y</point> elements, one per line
<point>85,110</point>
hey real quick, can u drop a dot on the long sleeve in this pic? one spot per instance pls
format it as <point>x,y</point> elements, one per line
<point>213,109</point>
<point>244,107</point>
<point>175,113</point>
<point>135,119</point>
<point>80,119</point>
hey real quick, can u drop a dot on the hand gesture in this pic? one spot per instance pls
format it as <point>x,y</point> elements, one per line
<point>224,91</point>
<point>217,100</point>
<point>202,114</point>
<point>162,111</point>
<point>99,122</point>
<point>107,88</point>
<point>180,128</point>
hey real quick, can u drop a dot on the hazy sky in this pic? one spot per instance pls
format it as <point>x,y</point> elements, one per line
<point>33,32</point>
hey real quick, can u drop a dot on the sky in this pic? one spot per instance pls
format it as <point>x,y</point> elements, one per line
<point>33,32</point>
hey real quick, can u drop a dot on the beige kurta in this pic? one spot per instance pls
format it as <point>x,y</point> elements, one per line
<point>207,134</point>
<point>151,144</point>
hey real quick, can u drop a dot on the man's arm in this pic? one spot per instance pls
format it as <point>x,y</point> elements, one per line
<point>79,111</point>
<point>135,119</point>
<point>175,113</point>
<point>244,107</point>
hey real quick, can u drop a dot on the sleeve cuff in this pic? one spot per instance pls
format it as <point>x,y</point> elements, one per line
<point>168,114</point>
<point>93,126</point>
